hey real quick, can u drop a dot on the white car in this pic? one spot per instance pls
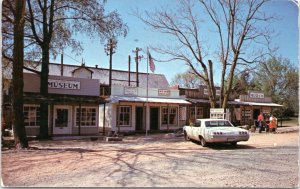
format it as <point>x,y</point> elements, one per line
<point>215,131</point>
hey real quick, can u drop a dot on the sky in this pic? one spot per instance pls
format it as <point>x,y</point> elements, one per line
<point>286,39</point>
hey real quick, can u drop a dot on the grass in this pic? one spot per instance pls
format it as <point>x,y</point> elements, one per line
<point>291,121</point>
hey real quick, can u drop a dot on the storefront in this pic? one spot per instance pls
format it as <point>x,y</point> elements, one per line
<point>73,105</point>
<point>251,105</point>
<point>129,109</point>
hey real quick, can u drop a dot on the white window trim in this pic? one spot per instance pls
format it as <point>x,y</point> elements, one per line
<point>30,105</point>
<point>176,118</point>
<point>130,115</point>
<point>87,126</point>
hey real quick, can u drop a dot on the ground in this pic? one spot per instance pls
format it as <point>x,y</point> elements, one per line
<point>266,160</point>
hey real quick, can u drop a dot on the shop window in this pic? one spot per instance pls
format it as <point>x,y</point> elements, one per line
<point>196,110</point>
<point>169,115</point>
<point>31,115</point>
<point>124,116</point>
<point>88,116</point>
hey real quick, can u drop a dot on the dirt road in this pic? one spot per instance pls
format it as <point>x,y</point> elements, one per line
<point>266,160</point>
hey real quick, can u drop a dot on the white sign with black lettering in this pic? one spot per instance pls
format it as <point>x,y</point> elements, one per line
<point>163,92</point>
<point>62,84</point>
<point>257,95</point>
<point>132,91</point>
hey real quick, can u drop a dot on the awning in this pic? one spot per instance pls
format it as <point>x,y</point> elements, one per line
<point>115,99</point>
<point>195,101</point>
<point>258,103</point>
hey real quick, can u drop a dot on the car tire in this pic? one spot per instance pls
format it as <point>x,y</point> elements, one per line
<point>203,142</point>
<point>233,144</point>
<point>186,138</point>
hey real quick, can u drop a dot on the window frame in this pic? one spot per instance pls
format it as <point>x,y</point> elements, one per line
<point>36,115</point>
<point>119,115</point>
<point>86,107</point>
<point>195,111</point>
<point>168,113</point>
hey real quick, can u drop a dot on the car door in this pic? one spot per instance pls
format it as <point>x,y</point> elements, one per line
<point>196,130</point>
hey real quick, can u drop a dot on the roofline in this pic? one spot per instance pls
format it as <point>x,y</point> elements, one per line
<point>90,67</point>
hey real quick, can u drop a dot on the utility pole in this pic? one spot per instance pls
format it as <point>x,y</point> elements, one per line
<point>110,47</point>
<point>129,59</point>
<point>137,58</point>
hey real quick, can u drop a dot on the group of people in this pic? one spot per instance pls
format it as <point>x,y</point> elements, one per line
<point>271,126</point>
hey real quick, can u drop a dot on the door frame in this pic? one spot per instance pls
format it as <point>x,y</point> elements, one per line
<point>142,118</point>
<point>158,118</point>
<point>67,130</point>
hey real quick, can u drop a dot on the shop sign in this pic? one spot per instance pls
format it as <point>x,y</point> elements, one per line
<point>62,84</point>
<point>163,92</point>
<point>256,95</point>
<point>217,110</point>
<point>130,91</point>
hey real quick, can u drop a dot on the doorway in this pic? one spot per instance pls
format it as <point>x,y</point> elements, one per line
<point>256,112</point>
<point>139,118</point>
<point>62,120</point>
<point>154,117</point>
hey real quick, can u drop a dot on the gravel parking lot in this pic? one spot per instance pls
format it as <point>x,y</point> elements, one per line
<point>161,160</point>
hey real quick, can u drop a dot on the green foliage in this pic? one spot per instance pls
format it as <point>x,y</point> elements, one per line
<point>278,77</point>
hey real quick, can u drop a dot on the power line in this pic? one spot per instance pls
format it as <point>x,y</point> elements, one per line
<point>72,58</point>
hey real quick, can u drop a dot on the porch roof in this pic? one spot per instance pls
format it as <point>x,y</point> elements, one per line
<point>258,103</point>
<point>115,99</point>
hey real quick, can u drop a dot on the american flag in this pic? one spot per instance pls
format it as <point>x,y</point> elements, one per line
<point>151,63</point>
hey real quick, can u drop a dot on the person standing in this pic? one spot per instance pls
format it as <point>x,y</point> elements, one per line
<point>260,120</point>
<point>273,124</point>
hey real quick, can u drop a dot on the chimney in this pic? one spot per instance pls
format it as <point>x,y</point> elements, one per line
<point>96,66</point>
<point>62,64</point>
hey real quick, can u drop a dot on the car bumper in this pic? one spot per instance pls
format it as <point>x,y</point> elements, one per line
<point>228,139</point>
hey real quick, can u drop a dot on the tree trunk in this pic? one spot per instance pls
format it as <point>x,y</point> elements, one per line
<point>44,93</point>
<point>18,57</point>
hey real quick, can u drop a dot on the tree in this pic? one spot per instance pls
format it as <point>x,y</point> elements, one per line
<point>242,83</point>
<point>240,35</point>
<point>16,19</point>
<point>51,26</point>
<point>187,80</point>
<point>278,78</point>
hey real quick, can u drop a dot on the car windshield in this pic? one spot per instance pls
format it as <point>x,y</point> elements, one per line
<point>218,123</point>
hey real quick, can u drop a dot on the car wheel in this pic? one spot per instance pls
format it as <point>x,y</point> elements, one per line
<point>203,142</point>
<point>233,144</point>
<point>186,138</point>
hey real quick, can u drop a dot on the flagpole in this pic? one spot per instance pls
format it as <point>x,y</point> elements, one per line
<point>147,105</point>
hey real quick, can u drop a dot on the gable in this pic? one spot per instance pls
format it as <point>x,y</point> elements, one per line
<point>82,72</point>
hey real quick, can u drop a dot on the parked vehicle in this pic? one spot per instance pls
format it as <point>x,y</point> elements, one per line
<point>215,131</point>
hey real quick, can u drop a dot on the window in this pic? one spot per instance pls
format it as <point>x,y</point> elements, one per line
<point>31,115</point>
<point>217,92</point>
<point>169,115</point>
<point>124,116</point>
<point>199,112</point>
<point>88,116</point>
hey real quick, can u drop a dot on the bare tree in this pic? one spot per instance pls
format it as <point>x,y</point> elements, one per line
<point>239,33</point>
<point>16,20</point>
<point>51,26</point>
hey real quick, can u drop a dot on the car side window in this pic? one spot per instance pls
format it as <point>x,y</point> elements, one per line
<point>197,124</point>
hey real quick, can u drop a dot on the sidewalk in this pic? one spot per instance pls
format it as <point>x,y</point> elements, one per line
<point>283,129</point>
